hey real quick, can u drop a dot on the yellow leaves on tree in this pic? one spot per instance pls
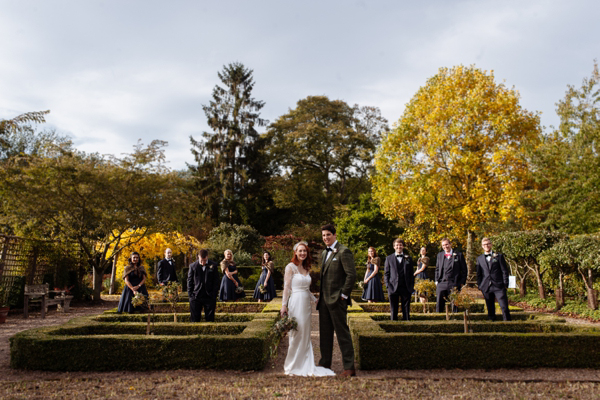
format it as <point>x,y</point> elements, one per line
<point>455,159</point>
<point>152,247</point>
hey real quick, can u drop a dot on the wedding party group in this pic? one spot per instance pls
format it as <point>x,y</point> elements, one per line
<point>337,280</point>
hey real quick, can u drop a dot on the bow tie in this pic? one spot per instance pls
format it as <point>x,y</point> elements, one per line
<point>448,255</point>
<point>399,255</point>
<point>328,249</point>
<point>488,254</point>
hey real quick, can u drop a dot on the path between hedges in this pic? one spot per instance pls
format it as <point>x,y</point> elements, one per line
<point>16,323</point>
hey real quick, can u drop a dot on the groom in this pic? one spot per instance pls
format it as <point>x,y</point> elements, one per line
<point>338,275</point>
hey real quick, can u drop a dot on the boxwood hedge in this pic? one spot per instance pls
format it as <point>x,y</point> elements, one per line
<point>429,346</point>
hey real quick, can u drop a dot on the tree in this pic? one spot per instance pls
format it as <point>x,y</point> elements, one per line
<point>19,124</point>
<point>91,200</point>
<point>456,159</point>
<point>523,250</point>
<point>364,226</point>
<point>229,159</point>
<point>323,151</point>
<point>566,167</point>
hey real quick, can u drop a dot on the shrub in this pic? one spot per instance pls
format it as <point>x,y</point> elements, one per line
<point>237,238</point>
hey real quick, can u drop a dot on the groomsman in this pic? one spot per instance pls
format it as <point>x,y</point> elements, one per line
<point>492,280</point>
<point>450,272</point>
<point>400,280</point>
<point>203,285</point>
<point>165,272</point>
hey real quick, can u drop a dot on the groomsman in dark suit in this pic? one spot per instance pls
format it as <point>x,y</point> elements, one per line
<point>492,280</point>
<point>203,285</point>
<point>450,272</point>
<point>400,280</point>
<point>165,272</point>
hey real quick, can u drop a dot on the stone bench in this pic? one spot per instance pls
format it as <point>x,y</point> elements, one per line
<point>41,294</point>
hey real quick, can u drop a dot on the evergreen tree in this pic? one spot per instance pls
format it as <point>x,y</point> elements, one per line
<point>229,172</point>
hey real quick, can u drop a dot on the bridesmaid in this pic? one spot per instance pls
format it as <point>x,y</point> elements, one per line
<point>421,271</point>
<point>266,279</point>
<point>135,279</point>
<point>230,281</point>
<point>373,291</point>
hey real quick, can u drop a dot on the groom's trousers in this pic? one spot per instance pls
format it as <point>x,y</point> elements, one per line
<point>334,319</point>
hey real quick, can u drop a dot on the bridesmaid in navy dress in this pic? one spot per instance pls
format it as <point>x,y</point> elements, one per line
<point>421,271</point>
<point>373,291</point>
<point>135,279</point>
<point>266,279</point>
<point>230,281</point>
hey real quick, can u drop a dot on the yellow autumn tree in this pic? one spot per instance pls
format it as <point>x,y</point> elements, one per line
<point>152,247</point>
<point>456,158</point>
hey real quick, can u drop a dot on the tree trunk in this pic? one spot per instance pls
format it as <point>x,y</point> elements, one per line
<point>470,257</point>
<point>540,283</point>
<point>560,300</point>
<point>113,274</point>
<point>98,273</point>
<point>523,287</point>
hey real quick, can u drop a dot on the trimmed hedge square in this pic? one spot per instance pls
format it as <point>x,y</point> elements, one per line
<point>426,344</point>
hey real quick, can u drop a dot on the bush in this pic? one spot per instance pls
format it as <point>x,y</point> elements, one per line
<point>237,238</point>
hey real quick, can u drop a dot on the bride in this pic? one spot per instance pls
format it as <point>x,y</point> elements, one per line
<point>300,358</point>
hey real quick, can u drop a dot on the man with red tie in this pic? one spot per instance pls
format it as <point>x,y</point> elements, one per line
<point>450,272</point>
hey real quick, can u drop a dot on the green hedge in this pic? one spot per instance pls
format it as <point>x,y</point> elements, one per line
<point>222,307</point>
<point>476,327</point>
<point>376,349</point>
<point>168,329</point>
<point>219,317</point>
<point>60,348</point>
<point>516,316</point>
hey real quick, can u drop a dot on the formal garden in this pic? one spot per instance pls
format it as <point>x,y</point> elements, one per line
<point>69,222</point>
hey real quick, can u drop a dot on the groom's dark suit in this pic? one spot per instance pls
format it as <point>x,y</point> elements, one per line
<point>203,286</point>
<point>165,272</point>
<point>338,275</point>
<point>450,272</point>
<point>400,281</point>
<point>492,280</point>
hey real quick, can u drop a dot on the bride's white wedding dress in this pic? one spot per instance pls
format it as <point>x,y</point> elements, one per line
<point>300,359</point>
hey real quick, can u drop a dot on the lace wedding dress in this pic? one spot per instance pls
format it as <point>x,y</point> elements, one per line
<point>300,359</point>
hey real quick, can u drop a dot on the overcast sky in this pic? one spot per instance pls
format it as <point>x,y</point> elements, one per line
<point>112,72</point>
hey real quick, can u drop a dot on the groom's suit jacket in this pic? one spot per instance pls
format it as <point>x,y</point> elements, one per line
<point>452,270</point>
<point>338,275</point>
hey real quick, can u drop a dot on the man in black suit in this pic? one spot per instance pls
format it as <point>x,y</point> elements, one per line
<point>492,280</point>
<point>450,272</point>
<point>203,285</point>
<point>165,272</point>
<point>400,280</point>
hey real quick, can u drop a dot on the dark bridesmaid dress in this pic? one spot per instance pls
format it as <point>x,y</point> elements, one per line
<point>127,295</point>
<point>270,293</point>
<point>373,289</point>
<point>227,290</point>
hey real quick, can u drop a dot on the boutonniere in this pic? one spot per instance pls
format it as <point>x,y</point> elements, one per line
<point>494,255</point>
<point>335,251</point>
<point>455,257</point>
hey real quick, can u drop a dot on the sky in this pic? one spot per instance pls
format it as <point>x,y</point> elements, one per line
<point>112,71</point>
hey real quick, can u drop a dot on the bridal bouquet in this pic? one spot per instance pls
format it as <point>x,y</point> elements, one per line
<point>285,325</point>
<point>138,300</point>
<point>239,289</point>
<point>262,289</point>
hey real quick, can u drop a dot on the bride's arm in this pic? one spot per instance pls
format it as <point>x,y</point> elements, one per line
<point>287,288</point>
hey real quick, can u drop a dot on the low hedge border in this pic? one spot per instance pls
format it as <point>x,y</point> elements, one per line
<point>516,316</point>
<point>480,327</point>
<point>51,349</point>
<point>219,317</point>
<point>376,349</point>
<point>222,307</point>
<point>166,329</point>
<point>429,306</point>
